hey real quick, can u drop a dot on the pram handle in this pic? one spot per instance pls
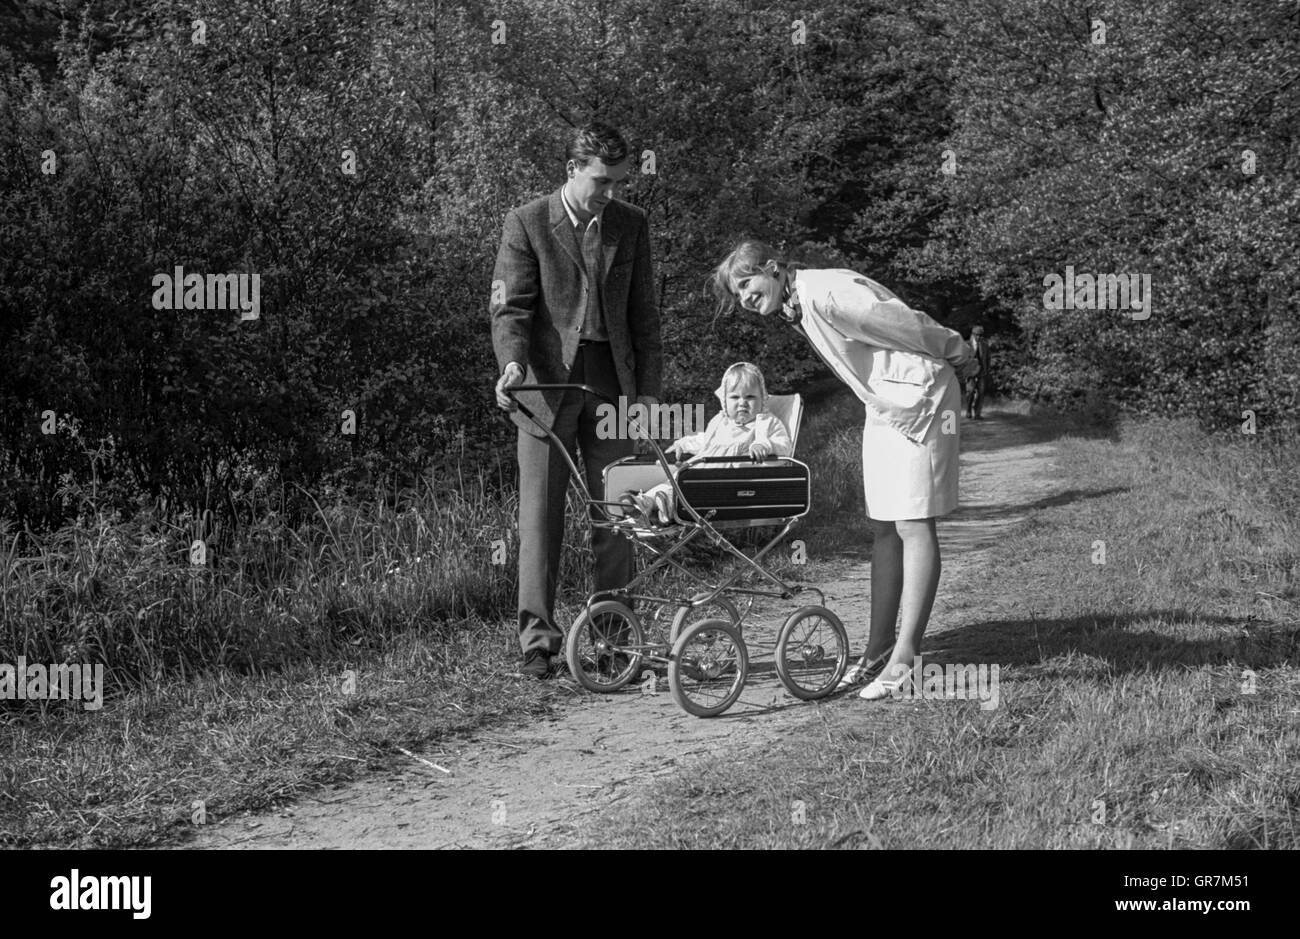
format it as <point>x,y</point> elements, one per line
<point>512,389</point>
<point>554,387</point>
<point>560,387</point>
<point>575,477</point>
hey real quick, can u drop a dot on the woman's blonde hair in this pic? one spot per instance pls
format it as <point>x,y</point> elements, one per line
<point>747,258</point>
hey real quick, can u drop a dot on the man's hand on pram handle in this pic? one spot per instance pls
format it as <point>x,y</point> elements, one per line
<point>511,375</point>
<point>507,389</point>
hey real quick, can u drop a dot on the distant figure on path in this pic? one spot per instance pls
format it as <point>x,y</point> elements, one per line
<point>977,385</point>
<point>574,303</point>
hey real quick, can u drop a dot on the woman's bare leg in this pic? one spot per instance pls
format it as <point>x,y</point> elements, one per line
<point>921,567</point>
<point>886,587</point>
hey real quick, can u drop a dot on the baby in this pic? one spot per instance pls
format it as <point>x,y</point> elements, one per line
<point>742,428</point>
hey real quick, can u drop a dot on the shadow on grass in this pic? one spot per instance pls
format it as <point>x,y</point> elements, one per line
<point>1121,642</point>
<point>997,510</point>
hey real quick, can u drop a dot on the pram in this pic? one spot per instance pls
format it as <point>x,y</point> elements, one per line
<point>707,657</point>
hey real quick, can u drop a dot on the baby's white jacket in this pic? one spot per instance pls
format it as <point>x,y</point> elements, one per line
<point>724,437</point>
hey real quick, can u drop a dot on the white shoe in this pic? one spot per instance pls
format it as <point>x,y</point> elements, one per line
<point>883,688</point>
<point>864,670</point>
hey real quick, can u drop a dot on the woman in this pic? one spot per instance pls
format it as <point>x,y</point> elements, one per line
<point>906,370</point>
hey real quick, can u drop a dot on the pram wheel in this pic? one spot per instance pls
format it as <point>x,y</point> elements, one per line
<point>812,652</point>
<point>679,618</point>
<point>603,648</point>
<point>707,667</point>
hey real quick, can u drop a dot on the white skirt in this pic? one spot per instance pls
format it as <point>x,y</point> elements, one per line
<point>903,479</point>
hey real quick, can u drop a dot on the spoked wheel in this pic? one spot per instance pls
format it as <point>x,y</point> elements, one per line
<point>812,652</point>
<point>598,643</point>
<point>720,604</point>
<point>708,667</point>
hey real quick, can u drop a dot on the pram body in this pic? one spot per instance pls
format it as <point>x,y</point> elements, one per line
<point>707,658</point>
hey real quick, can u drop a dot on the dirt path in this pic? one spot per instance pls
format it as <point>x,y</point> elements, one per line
<point>529,786</point>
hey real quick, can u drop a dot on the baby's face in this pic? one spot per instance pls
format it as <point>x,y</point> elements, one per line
<point>744,402</point>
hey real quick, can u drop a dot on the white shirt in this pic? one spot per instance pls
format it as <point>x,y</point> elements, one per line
<point>573,216</point>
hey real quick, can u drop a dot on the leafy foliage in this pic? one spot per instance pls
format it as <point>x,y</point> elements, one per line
<point>826,135</point>
<point>1135,155</point>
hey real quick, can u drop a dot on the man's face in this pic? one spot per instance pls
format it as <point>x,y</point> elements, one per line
<point>591,187</point>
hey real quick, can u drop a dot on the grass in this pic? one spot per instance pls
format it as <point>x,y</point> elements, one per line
<point>1147,702</point>
<point>139,772</point>
<point>299,658</point>
<point>295,657</point>
<point>292,659</point>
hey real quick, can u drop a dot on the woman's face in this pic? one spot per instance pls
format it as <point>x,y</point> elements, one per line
<point>744,401</point>
<point>759,292</point>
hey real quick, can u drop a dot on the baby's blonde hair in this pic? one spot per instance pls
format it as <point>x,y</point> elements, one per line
<point>746,372</point>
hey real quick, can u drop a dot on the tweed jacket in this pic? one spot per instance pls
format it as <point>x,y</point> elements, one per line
<point>540,298</point>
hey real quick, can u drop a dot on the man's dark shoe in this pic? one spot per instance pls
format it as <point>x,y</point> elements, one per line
<point>537,664</point>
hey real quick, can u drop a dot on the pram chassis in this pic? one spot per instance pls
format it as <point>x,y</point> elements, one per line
<point>712,650</point>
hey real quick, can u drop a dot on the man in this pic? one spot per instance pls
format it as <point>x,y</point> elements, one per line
<point>977,385</point>
<point>573,303</point>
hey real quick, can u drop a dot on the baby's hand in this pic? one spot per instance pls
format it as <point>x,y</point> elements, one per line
<point>760,451</point>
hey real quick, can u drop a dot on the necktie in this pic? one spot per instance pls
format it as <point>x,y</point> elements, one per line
<point>593,326</point>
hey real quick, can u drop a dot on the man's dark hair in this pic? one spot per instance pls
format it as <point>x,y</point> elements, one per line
<point>596,141</point>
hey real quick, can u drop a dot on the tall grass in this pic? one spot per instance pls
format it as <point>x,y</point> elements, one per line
<point>295,656</point>
<point>125,593</point>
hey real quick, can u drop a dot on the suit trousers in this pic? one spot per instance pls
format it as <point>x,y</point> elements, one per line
<point>543,483</point>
